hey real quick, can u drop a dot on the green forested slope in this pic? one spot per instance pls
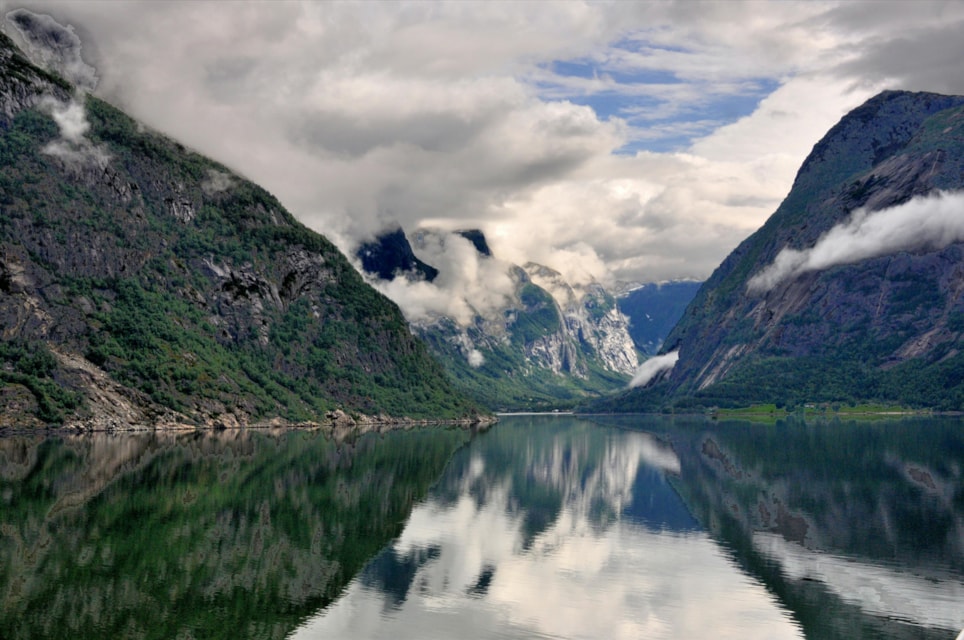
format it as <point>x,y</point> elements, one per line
<point>888,328</point>
<point>141,281</point>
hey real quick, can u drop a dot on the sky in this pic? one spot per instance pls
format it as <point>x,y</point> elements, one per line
<point>612,141</point>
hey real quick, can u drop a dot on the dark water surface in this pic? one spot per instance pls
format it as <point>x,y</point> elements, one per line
<point>543,527</point>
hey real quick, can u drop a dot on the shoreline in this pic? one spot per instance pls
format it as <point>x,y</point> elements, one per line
<point>337,423</point>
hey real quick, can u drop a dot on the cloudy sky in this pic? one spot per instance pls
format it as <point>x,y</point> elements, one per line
<point>623,141</point>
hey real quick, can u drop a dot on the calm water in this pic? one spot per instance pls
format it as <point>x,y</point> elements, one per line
<point>543,527</point>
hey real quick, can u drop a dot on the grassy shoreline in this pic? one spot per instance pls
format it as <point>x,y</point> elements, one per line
<point>818,410</point>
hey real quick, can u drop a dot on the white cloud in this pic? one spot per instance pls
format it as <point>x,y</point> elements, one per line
<point>933,222</point>
<point>476,359</point>
<point>54,46</point>
<point>655,365</point>
<point>216,182</point>
<point>71,118</point>
<point>468,283</point>
<point>73,147</point>
<point>455,115</point>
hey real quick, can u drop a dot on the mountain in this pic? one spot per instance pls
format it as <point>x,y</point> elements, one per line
<point>391,255</point>
<point>653,310</point>
<point>477,238</point>
<point>546,350</point>
<point>143,283</point>
<point>852,290</point>
<point>552,344</point>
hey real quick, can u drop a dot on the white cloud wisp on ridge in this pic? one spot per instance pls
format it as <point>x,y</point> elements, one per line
<point>934,221</point>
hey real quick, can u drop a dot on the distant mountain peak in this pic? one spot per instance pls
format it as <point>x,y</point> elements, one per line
<point>477,238</point>
<point>390,255</point>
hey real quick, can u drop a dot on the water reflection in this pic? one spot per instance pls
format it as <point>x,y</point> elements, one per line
<point>858,528</point>
<point>554,527</point>
<point>888,592</point>
<point>543,527</point>
<point>232,534</point>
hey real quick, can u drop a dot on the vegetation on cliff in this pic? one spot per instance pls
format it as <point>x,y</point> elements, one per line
<point>140,282</point>
<point>878,324</point>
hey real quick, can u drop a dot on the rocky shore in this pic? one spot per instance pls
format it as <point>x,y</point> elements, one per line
<point>338,424</point>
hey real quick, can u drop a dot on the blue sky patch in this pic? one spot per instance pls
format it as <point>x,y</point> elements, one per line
<point>664,112</point>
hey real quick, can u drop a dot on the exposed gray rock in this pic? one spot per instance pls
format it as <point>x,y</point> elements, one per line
<point>879,312</point>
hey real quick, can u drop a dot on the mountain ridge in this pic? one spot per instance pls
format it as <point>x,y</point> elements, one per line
<point>548,344</point>
<point>845,332</point>
<point>143,284</point>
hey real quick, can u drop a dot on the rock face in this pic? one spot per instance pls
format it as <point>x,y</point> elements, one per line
<point>552,344</point>
<point>391,255</point>
<point>22,84</point>
<point>591,321</point>
<point>142,283</point>
<point>477,238</point>
<point>887,327</point>
<point>653,310</point>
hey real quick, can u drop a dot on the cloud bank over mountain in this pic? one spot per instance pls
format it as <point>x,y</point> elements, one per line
<point>932,222</point>
<point>468,283</point>
<point>58,48</point>
<point>636,142</point>
<point>655,365</point>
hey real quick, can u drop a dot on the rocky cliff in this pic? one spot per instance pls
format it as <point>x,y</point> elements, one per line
<point>390,255</point>
<point>852,290</point>
<point>553,345</point>
<point>143,283</point>
<point>549,344</point>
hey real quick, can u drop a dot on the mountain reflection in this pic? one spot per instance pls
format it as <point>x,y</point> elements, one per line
<point>858,528</point>
<point>231,534</point>
<point>554,527</point>
<point>644,527</point>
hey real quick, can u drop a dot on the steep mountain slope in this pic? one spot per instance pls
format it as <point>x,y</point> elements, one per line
<point>140,282</point>
<point>839,296</point>
<point>653,310</point>
<point>551,344</point>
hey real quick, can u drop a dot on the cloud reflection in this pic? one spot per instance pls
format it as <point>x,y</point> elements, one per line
<point>877,589</point>
<point>590,572</point>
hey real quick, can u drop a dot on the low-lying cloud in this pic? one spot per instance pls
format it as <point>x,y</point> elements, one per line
<point>73,147</point>
<point>933,221</point>
<point>54,46</point>
<point>655,365</point>
<point>476,359</point>
<point>468,285</point>
<point>216,182</point>
<point>57,48</point>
